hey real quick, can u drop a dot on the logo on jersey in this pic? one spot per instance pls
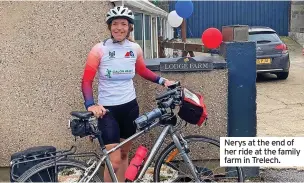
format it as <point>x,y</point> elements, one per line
<point>129,54</point>
<point>108,73</point>
<point>112,54</point>
<point>114,72</point>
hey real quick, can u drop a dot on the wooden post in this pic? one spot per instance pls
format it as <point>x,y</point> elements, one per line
<point>161,49</point>
<point>184,30</point>
<point>184,37</point>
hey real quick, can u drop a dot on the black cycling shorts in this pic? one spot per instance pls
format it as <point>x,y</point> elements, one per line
<point>119,123</point>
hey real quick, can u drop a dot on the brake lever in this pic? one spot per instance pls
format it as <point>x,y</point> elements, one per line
<point>175,85</point>
<point>168,103</point>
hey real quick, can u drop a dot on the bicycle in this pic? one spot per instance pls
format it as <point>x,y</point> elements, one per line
<point>85,124</point>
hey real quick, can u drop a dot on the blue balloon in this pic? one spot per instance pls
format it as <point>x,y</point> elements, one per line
<point>184,8</point>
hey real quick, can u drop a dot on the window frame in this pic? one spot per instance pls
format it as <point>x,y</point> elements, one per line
<point>164,32</point>
<point>142,30</point>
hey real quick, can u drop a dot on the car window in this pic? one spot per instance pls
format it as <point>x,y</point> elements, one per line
<point>263,37</point>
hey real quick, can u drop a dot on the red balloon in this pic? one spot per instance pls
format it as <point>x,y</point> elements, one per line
<point>212,38</point>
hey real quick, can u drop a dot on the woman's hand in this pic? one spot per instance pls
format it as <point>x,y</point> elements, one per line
<point>98,110</point>
<point>168,83</point>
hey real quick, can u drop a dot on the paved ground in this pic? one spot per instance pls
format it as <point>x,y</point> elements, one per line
<point>280,104</point>
<point>282,175</point>
<point>280,110</point>
<point>4,175</point>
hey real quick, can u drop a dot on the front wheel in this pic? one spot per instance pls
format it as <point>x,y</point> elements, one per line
<point>205,155</point>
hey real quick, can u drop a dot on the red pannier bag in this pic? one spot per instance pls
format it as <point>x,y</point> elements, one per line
<point>193,109</point>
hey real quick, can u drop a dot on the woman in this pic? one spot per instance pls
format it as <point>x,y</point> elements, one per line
<point>116,60</point>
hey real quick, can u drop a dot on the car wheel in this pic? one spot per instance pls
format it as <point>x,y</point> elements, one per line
<point>282,75</point>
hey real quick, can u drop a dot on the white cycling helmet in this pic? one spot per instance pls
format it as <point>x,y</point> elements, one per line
<point>120,12</point>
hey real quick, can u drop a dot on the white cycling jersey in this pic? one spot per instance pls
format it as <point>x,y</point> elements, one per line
<point>117,65</point>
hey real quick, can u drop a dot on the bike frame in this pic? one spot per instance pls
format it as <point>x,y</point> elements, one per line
<point>168,129</point>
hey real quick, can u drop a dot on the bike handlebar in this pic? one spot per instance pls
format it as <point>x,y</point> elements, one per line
<point>149,116</point>
<point>174,94</point>
<point>170,92</point>
<point>167,103</point>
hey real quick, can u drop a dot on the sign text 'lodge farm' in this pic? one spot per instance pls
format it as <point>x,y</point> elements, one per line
<point>186,64</point>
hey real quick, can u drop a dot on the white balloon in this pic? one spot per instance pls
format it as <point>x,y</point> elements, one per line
<point>174,19</point>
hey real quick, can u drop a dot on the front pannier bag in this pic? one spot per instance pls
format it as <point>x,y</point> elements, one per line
<point>193,109</point>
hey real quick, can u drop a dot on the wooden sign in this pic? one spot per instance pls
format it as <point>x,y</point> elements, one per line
<point>186,64</point>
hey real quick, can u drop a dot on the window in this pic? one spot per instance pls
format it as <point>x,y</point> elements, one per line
<point>138,31</point>
<point>263,37</point>
<point>148,43</point>
<point>147,29</point>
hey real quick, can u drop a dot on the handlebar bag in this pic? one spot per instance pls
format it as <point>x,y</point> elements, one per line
<point>193,109</point>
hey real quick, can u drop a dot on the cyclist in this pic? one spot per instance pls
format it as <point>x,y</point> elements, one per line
<point>116,60</point>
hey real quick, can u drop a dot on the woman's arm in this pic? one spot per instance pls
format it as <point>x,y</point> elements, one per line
<point>90,70</point>
<point>143,71</point>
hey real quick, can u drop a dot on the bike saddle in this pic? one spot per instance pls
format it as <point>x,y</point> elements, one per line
<point>82,114</point>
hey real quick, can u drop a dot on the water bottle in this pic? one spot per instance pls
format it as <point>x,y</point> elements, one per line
<point>136,163</point>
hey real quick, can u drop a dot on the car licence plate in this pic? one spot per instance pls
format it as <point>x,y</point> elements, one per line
<point>263,61</point>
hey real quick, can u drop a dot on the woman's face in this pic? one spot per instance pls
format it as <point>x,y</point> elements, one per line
<point>119,29</point>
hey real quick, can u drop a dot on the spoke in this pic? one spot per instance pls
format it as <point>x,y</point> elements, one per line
<point>50,176</point>
<point>171,165</point>
<point>40,177</point>
<point>180,177</point>
<point>216,169</point>
<point>216,176</point>
<point>207,165</point>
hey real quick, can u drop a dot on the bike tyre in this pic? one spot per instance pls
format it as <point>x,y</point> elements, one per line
<point>159,161</point>
<point>48,164</point>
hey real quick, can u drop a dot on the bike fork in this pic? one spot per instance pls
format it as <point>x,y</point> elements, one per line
<point>185,156</point>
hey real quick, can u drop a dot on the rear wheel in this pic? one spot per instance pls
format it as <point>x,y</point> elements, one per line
<point>170,166</point>
<point>67,171</point>
<point>282,75</point>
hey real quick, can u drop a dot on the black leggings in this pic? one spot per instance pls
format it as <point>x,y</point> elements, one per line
<point>119,123</point>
